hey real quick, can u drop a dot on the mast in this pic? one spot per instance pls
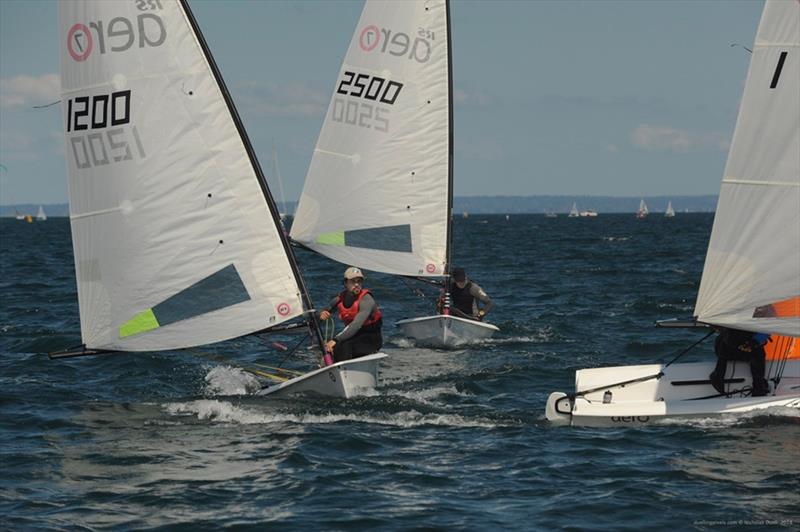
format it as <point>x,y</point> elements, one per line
<point>312,321</point>
<point>449,145</point>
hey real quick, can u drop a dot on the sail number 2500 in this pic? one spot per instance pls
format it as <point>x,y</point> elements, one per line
<point>369,87</point>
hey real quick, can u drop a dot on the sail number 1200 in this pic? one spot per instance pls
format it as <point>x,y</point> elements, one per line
<point>109,137</point>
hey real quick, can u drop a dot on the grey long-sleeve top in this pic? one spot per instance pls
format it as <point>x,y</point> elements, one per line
<point>478,293</point>
<point>365,308</point>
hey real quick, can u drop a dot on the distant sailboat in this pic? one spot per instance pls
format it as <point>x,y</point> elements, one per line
<point>573,212</point>
<point>670,212</point>
<point>160,262</point>
<point>642,212</point>
<point>588,214</point>
<point>750,277</point>
<point>41,216</point>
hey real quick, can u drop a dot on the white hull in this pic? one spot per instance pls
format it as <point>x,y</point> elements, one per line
<point>343,379</point>
<point>445,331</point>
<point>683,391</point>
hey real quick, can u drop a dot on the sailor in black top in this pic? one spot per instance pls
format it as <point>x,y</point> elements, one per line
<point>464,295</point>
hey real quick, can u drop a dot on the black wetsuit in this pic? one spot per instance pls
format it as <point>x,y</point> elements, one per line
<point>463,300</point>
<point>733,344</point>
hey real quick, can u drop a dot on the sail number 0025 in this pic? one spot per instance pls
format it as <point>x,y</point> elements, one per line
<point>361,114</point>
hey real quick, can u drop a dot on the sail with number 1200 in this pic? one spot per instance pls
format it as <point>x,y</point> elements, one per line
<point>158,159</point>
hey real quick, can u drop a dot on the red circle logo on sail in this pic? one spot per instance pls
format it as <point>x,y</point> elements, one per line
<point>430,268</point>
<point>79,42</point>
<point>369,38</point>
<point>283,309</point>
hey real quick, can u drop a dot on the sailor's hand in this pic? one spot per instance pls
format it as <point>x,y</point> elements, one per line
<point>330,345</point>
<point>324,315</point>
<point>481,314</point>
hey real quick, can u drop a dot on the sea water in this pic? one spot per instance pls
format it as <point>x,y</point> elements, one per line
<point>450,440</point>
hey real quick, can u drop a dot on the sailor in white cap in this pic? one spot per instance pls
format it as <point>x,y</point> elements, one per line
<point>360,315</point>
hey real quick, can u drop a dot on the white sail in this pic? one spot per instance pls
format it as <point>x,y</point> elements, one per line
<point>670,212</point>
<point>157,164</point>
<point>41,216</point>
<point>573,212</point>
<point>276,175</point>
<point>377,193</point>
<point>643,211</point>
<point>751,277</point>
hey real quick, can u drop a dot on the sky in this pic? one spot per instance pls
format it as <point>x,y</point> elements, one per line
<point>604,98</point>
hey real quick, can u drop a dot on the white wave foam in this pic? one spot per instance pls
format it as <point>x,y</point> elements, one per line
<point>732,419</point>
<point>225,412</point>
<point>425,396</point>
<point>229,380</point>
<point>403,342</point>
<point>543,335</point>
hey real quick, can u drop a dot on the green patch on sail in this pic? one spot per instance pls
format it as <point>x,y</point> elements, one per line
<point>331,239</point>
<point>142,322</point>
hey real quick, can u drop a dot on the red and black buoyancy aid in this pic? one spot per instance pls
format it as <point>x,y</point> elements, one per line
<point>462,299</point>
<point>348,314</point>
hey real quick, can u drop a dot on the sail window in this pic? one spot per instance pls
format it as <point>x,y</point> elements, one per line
<point>390,238</point>
<point>217,291</point>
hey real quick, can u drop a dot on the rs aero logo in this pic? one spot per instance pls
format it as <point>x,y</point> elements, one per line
<point>383,40</point>
<point>117,35</point>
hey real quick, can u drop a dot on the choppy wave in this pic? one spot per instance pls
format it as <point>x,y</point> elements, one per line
<point>449,440</point>
<point>225,412</point>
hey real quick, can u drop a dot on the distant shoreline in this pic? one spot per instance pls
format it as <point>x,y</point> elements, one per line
<point>491,205</point>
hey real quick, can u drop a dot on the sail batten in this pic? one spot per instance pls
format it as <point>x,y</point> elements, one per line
<point>175,240</point>
<point>753,258</point>
<point>730,181</point>
<point>378,190</point>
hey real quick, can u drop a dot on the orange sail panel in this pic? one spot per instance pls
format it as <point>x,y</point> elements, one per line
<point>780,346</point>
<point>788,308</point>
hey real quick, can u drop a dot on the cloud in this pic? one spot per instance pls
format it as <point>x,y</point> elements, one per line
<point>460,96</point>
<point>28,146</point>
<point>293,98</point>
<point>27,91</point>
<point>663,138</point>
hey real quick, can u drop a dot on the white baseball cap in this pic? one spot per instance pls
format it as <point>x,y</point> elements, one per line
<point>353,273</point>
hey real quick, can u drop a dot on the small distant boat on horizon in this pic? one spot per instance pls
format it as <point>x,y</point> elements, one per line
<point>642,212</point>
<point>573,212</point>
<point>41,216</point>
<point>588,214</point>
<point>550,214</point>
<point>670,212</point>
